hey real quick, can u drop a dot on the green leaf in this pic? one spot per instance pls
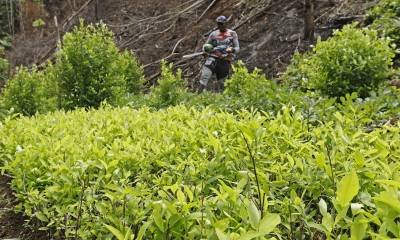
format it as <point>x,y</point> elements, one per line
<point>221,235</point>
<point>390,200</point>
<point>115,232</point>
<point>389,183</point>
<point>327,223</point>
<point>348,188</point>
<point>38,23</point>
<point>250,235</point>
<point>180,196</point>
<point>41,216</point>
<point>158,219</point>
<point>143,230</point>
<point>268,223</point>
<point>129,235</point>
<point>254,214</point>
<point>358,230</point>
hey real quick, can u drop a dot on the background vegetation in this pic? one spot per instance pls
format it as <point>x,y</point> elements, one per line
<point>314,153</point>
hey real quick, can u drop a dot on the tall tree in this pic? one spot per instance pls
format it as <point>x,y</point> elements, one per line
<point>309,26</point>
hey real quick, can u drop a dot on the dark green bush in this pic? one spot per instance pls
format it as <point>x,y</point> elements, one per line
<point>31,92</point>
<point>3,67</point>
<point>130,68</point>
<point>385,18</point>
<point>90,69</point>
<point>170,87</point>
<point>384,8</point>
<point>353,60</point>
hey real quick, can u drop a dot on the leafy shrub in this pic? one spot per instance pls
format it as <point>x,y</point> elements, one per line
<point>250,90</point>
<point>170,87</point>
<point>385,18</point>
<point>298,72</point>
<point>90,69</point>
<point>244,84</point>
<point>130,68</point>
<point>384,7</point>
<point>187,174</point>
<point>31,91</point>
<point>244,90</point>
<point>353,60</point>
<point>3,67</point>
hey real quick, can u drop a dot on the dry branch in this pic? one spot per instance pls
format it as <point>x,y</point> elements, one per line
<point>75,14</point>
<point>205,11</point>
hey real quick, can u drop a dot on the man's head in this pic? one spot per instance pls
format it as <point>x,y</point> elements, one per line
<point>221,23</point>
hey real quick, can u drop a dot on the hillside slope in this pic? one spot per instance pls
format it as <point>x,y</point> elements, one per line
<point>270,31</point>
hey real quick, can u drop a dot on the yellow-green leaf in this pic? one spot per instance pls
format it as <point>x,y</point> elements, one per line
<point>118,234</point>
<point>348,188</point>
<point>254,214</point>
<point>221,235</point>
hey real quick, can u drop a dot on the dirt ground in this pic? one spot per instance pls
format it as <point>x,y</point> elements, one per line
<point>270,31</point>
<point>12,224</point>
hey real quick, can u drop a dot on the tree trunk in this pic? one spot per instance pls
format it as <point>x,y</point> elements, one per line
<point>97,11</point>
<point>21,18</point>
<point>309,19</point>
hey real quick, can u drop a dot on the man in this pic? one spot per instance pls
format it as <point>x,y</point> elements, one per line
<point>221,47</point>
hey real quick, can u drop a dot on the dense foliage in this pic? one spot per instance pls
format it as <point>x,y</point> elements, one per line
<point>353,60</point>
<point>30,92</point>
<point>385,17</point>
<point>170,88</point>
<point>88,70</point>
<point>187,174</point>
<point>244,90</point>
<point>4,22</point>
<point>261,160</point>
<point>3,67</point>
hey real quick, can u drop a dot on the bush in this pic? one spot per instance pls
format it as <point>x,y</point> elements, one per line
<point>384,8</point>
<point>385,18</point>
<point>29,92</point>
<point>252,90</point>
<point>170,87</point>
<point>243,84</point>
<point>244,90</point>
<point>133,72</point>
<point>353,60</point>
<point>90,69</point>
<point>3,68</point>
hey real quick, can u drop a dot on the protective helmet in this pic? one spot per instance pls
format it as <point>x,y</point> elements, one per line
<point>221,19</point>
<point>208,48</point>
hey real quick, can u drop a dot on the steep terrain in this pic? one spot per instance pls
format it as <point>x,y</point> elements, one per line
<point>270,31</point>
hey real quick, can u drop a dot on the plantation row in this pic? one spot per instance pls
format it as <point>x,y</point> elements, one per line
<point>187,174</point>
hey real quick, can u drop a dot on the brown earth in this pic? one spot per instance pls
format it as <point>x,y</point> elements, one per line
<point>270,31</point>
<point>12,224</point>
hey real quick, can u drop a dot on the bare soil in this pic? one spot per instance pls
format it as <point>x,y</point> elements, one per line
<point>12,224</point>
<point>270,31</point>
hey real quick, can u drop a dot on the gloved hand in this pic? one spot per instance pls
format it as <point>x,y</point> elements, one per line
<point>230,50</point>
